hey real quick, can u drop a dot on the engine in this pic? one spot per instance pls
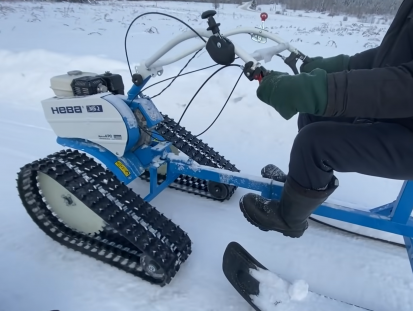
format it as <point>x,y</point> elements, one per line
<point>78,83</point>
<point>94,109</point>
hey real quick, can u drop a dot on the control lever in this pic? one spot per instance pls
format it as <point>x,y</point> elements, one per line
<point>258,38</point>
<point>254,74</point>
<point>291,60</point>
<point>213,26</point>
<point>260,72</point>
<point>208,14</point>
<point>219,48</point>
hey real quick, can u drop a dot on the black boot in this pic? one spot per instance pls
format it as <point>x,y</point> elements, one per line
<point>289,215</point>
<point>273,172</point>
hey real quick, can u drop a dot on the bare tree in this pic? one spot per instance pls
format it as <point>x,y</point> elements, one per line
<point>216,4</point>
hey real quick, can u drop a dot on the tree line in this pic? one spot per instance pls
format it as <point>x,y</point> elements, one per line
<point>351,7</point>
<point>356,8</point>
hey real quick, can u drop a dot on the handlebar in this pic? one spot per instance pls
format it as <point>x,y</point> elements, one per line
<point>153,65</point>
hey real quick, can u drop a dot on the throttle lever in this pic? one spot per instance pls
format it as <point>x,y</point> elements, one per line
<point>254,74</point>
<point>291,60</point>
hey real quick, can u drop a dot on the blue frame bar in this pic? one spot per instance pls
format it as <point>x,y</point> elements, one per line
<point>409,247</point>
<point>385,209</point>
<point>404,204</point>
<point>394,217</point>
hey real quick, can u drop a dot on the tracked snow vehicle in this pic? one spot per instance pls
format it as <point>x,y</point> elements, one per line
<point>88,207</point>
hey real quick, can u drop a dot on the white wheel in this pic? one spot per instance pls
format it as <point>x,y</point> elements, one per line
<point>68,208</point>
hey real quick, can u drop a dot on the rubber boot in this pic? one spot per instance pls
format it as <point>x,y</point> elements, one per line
<point>289,215</point>
<point>273,172</point>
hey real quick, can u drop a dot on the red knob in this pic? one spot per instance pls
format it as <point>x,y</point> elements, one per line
<point>264,16</point>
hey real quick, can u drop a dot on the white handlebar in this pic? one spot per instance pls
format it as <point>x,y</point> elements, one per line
<point>153,65</point>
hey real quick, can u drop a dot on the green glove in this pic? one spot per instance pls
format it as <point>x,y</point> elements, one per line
<point>305,92</point>
<point>331,64</point>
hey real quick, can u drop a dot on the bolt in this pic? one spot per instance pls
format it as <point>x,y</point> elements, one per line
<point>68,200</point>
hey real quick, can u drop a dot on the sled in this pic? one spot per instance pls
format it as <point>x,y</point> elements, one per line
<point>80,197</point>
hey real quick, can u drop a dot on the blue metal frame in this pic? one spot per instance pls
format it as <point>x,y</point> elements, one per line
<point>130,161</point>
<point>394,217</point>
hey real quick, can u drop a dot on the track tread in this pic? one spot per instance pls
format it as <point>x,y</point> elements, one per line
<point>134,227</point>
<point>198,151</point>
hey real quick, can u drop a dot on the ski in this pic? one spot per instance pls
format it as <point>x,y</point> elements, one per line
<point>266,291</point>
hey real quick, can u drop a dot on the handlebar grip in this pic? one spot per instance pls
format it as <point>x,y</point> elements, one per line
<point>291,61</point>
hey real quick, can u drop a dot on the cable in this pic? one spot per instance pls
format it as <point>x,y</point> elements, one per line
<point>174,78</point>
<point>222,109</point>
<point>203,84</point>
<point>179,74</point>
<point>126,49</point>
<point>148,13</point>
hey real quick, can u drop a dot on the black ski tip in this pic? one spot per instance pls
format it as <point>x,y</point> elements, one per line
<point>236,264</point>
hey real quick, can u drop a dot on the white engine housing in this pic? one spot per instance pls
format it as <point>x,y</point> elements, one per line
<point>94,118</point>
<point>61,85</point>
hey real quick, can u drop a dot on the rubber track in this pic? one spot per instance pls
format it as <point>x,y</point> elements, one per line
<point>195,149</point>
<point>133,228</point>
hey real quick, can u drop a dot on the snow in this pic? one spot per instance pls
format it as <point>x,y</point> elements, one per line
<point>274,291</point>
<point>298,290</point>
<point>277,294</point>
<point>39,40</point>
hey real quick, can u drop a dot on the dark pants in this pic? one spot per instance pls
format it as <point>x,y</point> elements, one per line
<point>325,145</point>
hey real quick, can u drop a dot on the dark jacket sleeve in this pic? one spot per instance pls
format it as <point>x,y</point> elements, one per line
<point>377,93</point>
<point>363,60</point>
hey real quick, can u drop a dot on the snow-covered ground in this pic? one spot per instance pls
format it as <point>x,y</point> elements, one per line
<point>39,40</point>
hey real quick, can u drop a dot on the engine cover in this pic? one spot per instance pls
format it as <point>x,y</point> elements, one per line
<point>62,85</point>
<point>104,119</point>
<point>78,83</point>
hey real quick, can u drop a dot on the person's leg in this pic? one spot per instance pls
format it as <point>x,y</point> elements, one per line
<point>274,172</point>
<point>378,149</point>
<point>305,119</point>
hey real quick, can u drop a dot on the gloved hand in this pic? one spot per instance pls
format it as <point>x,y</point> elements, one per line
<point>330,64</point>
<point>289,94</point>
